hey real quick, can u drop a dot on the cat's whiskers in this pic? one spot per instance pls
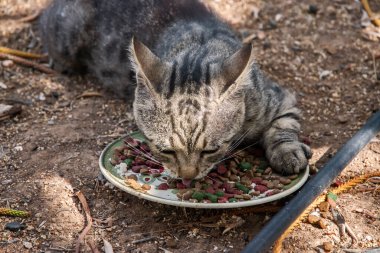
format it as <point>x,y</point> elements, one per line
<point>238,141</point>
<point>210,178</point>
<point>146,155</point>
<point>234,154</point>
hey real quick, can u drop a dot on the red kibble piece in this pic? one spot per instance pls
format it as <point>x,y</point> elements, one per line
<point>150,164</point>
<point>213,174</point>
<point>256,180</point>
<point>161,169</point>
<point>180,185</point>
<point>138,160</point>
<point>234,191</point>
<point>238,192</point>
<point>228,195</point>
<point>210,190</point>
<point>216,185</point>
<point>136,169</point>
<point>163,186</point>
<point>186,182</point>
<point>131,142</point>
<point>221,169</point>
<point>261,188</point>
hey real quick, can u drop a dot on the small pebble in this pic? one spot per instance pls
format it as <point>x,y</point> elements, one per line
<point>313,219</point>
<point>322,223</point>
<point>171,243</point>
<point>324,206</point>
<point>328,246</point>
<point>3,86</point>
<point>7,181</point>
<point>7,63</point>
<point>18,148</point>
<point>313,9</point>
<point>27,245</point>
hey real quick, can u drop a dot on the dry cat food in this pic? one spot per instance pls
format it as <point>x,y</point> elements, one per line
<point>236,179</point>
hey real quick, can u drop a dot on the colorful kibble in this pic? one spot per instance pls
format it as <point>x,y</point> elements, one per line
<point>242,187</point>
<point>231,181</point>
<point>221,169</point>
<point>198,196</point>
<point>244,166</point>
<point>262,166</point>
<point>163,186</point>
<point>285,181</point>
<point>146,187</point>
<point>213,198</point>
<point>261,188</point>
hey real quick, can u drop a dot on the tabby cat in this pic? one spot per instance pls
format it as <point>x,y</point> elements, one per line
<point>197,90</point>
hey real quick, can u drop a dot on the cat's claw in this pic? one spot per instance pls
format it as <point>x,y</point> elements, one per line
<point>290,157</point>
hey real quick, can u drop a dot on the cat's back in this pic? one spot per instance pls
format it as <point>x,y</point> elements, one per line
<point>94,35</point>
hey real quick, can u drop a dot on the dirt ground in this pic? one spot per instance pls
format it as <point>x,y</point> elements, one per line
<point>51,149</point>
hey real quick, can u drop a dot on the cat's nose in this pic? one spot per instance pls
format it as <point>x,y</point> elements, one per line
<point>188,173</point>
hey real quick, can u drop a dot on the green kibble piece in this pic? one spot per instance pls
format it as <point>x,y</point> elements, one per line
<point>198,196</point>
<point>242,187</point>
<point>128,161</point>
<point>212,197</point>
<point>219,193</point>
<point>262,166</point>
<point>232,200</point>
<point>244,166</point>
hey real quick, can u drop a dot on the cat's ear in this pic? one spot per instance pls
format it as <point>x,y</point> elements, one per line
<point>236,68</point>
<point>148,67</point>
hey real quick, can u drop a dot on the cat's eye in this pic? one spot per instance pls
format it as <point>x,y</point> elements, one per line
<point>168,152</point>
<point>209,152</point>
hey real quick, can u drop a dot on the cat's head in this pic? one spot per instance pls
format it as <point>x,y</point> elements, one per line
<point>190,124</point>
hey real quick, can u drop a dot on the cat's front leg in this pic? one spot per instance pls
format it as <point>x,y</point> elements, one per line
<point>286,154</point>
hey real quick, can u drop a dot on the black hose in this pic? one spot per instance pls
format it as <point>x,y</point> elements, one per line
<point>313,188</point>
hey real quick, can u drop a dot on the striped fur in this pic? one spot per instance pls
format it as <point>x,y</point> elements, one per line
<point>197,89</point>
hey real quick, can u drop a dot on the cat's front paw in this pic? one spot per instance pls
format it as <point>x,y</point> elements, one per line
<point>290,157</point>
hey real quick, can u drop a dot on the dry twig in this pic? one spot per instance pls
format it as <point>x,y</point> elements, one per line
<point>27,63</point>
<point>31,17</point>
<point>22,54</point>
<point>93,246</point>
<point>86,209</point>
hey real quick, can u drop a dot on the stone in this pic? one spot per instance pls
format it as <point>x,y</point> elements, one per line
<point>324,206</point>
<point>328,246</point>
<point>313,219</point>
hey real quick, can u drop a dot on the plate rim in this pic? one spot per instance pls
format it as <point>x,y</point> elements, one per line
<point>115,181</point>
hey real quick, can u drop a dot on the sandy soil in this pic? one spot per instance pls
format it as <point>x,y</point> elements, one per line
<point>50,150</point>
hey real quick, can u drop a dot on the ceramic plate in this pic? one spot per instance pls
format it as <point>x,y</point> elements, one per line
<point>116,175</point>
